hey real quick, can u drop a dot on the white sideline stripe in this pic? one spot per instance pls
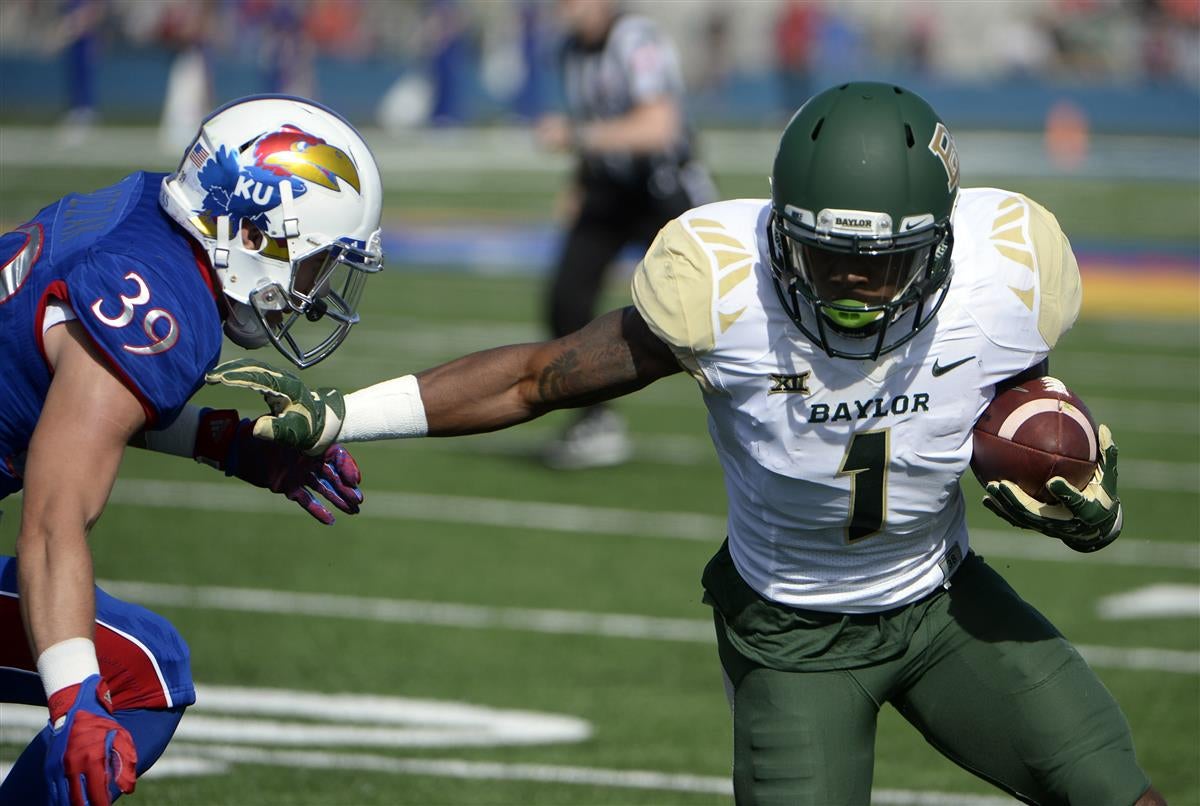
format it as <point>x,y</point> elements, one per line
<point>667,449</point>
<point>609,625</point>
<point>540,773</point>
<point>1152,601</point>
<point>573,518</point>
<point>183,759</point>
<point>409,611</point>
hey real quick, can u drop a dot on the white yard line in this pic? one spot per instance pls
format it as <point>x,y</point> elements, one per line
<point>538,773</point>
<point>1152,601</point>
<point>557,622</point>
<point>683,450</point>
<point>216,736</point>
<point>574,518</point>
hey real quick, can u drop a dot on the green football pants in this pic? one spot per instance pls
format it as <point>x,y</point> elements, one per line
<point>986,679</point>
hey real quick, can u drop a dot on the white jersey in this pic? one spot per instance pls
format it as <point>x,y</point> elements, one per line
<point>843,475</point>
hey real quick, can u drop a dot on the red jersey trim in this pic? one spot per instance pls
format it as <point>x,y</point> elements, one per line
<point>206,271</point>
<point>134,665</point>
<point>130,669</point>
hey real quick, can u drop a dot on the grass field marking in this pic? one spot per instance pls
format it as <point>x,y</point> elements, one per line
<point>187,757</point>
<point>198,748</point>
<point>558,622</point>
<point>407,611</point>
<point>686,451</point>
<point>232,714</point>
<point>539,773</point>
<point>635,524</point>
<point>1152,601</point>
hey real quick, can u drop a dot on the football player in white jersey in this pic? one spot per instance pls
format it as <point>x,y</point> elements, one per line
<point>845,335</point>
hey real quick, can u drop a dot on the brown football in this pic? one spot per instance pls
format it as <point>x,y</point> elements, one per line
<point>1033,432</point>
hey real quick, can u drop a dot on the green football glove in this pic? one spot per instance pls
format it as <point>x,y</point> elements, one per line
<point>300,417</point>
<point>1086,520</point>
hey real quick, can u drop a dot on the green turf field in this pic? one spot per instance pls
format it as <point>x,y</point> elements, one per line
<point>474,577</point>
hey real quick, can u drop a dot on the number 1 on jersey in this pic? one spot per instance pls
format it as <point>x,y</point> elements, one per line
<point>867,462</point>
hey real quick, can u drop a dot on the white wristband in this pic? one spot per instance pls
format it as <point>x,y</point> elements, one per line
<point>179,438</point>
<point>388,410</point>
<point>67,663</point>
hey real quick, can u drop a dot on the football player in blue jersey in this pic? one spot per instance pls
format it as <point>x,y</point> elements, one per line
<point>112,307</point>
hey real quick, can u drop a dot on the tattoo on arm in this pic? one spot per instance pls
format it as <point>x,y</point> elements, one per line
<point>554,382</point>
<point>614,355</point>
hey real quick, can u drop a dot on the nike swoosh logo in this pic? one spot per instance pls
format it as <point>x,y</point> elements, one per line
<point>939,370</point>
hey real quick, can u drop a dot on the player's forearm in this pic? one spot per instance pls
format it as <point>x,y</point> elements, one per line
<point>612,356</point>
<point>485,391</point>
<point>54,573</point>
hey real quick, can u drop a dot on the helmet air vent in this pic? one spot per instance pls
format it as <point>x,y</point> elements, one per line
<point>817,129</point>
<point>908,135</point>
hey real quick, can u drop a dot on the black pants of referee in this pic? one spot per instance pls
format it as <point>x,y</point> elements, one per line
<point>610,216</point>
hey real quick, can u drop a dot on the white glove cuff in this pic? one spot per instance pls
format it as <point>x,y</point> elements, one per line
<point>1118,523</point>
<point>67,663</point>
<point>389,410</point>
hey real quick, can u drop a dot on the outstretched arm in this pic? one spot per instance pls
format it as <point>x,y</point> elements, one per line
<point>614,355</point>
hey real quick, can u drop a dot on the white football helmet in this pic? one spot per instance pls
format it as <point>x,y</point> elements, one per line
<point>302,183</point>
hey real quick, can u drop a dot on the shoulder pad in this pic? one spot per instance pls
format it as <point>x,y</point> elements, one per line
<point>158,326</point>
<point>688,286</point>
<point>1017,265</point>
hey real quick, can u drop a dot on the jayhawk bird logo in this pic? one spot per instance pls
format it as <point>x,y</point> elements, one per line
<point>289,155</point>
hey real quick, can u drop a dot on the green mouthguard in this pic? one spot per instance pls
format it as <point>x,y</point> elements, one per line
<point>851,319</point>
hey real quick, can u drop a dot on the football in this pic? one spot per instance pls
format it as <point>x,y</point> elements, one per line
<point>1033,432</point>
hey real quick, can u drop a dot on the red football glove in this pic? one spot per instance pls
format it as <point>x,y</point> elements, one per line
<point>90,754</point>
<point>227,442</point>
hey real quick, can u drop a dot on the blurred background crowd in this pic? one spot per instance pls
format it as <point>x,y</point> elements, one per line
<point>445,62</point>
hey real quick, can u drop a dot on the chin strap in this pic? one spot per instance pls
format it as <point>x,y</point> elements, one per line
<point>291,224</point>
<point>243,327</point>
<point>220,254</point>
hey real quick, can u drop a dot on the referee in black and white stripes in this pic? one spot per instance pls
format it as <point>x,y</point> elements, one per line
<point>626,123</point>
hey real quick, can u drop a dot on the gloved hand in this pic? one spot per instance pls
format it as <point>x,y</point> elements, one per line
<point>1086,520</point>
<point>301,417</point>
<point>89,751</point>
<point>227,442</point>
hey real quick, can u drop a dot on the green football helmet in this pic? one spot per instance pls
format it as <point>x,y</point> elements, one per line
<point>862,190</point>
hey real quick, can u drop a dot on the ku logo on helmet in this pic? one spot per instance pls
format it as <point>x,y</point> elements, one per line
<point>288,155</point>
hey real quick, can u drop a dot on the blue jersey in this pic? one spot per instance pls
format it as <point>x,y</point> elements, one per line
<point>138,286</point>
